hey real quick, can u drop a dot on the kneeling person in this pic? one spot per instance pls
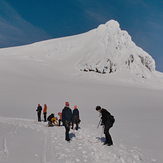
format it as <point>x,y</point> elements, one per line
<point>52,120</point>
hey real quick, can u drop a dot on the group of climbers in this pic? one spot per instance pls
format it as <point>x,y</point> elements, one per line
<point>68,118</point>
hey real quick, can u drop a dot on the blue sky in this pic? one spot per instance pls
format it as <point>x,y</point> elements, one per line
<point>24,22</point>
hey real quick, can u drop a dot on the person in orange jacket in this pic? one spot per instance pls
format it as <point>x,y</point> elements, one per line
<point>60,118</point>
<point>45,112</point>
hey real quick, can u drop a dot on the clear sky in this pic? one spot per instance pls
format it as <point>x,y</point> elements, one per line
<point>24,22</point>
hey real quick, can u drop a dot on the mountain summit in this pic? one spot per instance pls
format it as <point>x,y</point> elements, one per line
<point>106,49</point>
<point>113,50</point>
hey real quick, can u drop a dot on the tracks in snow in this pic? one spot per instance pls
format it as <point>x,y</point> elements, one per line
<point>55,149</point>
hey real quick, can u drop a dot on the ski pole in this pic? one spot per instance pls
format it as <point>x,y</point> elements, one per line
<point>99,123</point>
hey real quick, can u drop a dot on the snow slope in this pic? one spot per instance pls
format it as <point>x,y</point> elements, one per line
<point>43,144</point>
<point>48,72</point>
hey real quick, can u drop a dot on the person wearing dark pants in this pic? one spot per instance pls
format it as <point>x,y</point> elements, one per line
<point>107,126</point>
<point>67,119</point>
<point>60,120</point>
<point>67,128</point>
<point>39,108</point>
<point>107,121</point>
<point>76,119</point>
<point>50,117</point>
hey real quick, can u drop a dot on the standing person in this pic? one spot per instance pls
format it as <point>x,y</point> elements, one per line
<point>67,119</point>
<point>60,118</point>
<point>45,112</point>
<point>39,108</point>
<point>107,121</point>
<point>76,119</point>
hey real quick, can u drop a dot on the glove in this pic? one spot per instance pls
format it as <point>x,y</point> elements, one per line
<point>102,124</point>
<point>64,123</point>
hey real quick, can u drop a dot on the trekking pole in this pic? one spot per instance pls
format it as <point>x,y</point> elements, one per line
<point>99,123</point>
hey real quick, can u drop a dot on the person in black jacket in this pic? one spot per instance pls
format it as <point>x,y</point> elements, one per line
<point>76,119</point>
<point>108,123</point>
<point>39,108</point>
<point>50,120</point>
<point>67,119</point>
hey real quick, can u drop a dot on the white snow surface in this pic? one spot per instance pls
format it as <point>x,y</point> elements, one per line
<point>52,72</point>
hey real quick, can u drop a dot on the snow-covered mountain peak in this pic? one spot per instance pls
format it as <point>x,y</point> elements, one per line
<point>106,49</point>
<point>112,24</point>
<point>113,50</point>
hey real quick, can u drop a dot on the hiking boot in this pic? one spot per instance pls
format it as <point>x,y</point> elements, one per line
<point>106,143</point>
<point>68,139</point>
<point>109,144</point>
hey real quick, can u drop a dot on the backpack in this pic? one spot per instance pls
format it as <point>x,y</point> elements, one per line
<point>111,118</point>
<point>49,118</point>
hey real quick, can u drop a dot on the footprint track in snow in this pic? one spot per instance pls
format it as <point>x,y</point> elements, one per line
<point>54,147</point>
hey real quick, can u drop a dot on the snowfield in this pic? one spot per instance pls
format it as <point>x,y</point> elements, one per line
<point>46,144</point>
<point>49,72</point>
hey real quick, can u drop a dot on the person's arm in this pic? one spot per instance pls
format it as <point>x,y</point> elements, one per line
<point>63,115</point>
<point>56,121</point>
<point>78,113</point>
<point>71,115</point>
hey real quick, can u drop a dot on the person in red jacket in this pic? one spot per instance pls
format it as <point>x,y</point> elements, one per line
<point>60,118</point>
<point>45,112</point>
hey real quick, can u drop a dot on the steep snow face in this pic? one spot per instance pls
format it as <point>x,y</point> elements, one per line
<point>113,50</point>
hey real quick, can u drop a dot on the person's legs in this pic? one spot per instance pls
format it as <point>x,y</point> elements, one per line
<point>107,134</point>
<point>39,116</point>
<point>67,128</point>
<point>60,122</point>
<point>50,124</point>
<point>76,121</point>
<point>72,126</point>
<point>76,126</point>
<point>44,117</point>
